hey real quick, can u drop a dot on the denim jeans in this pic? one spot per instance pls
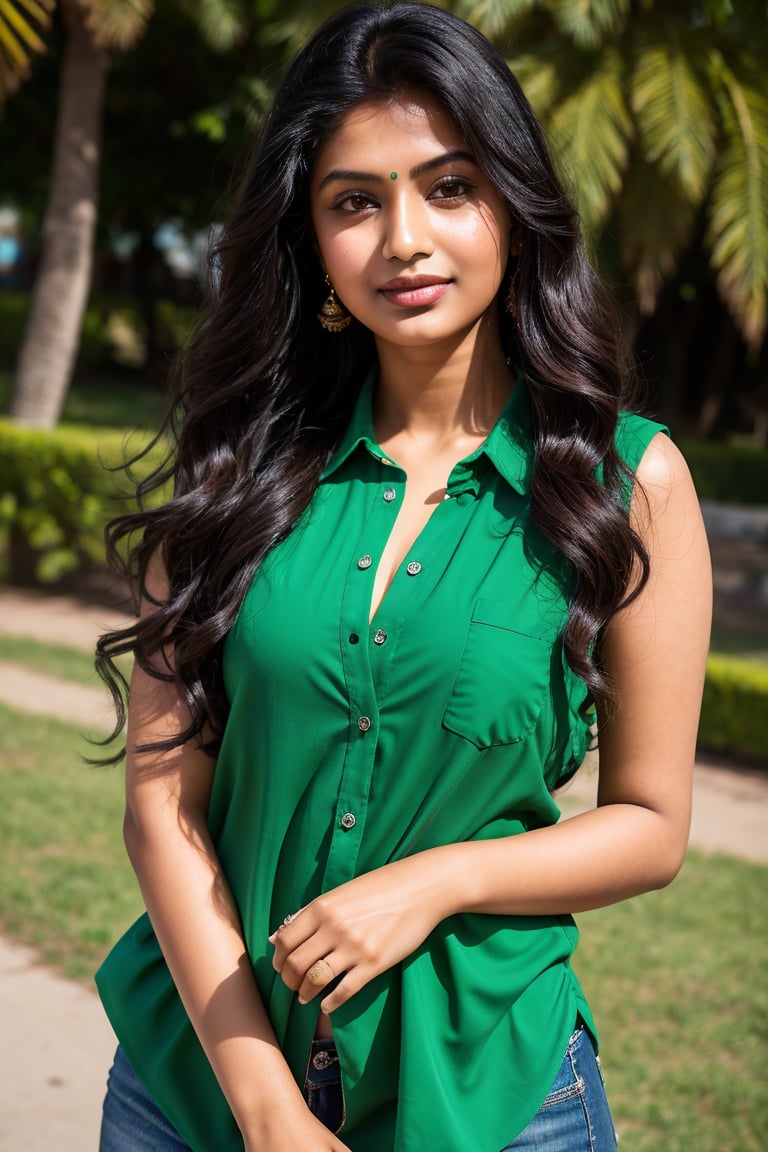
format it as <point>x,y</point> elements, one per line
<point>574,1117</point>
<point>132,1122</point>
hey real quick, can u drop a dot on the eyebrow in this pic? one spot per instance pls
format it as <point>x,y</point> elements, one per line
<point>420,169</point>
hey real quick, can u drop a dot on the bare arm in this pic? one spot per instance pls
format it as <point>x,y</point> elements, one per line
<point>197,924</point>
<point>635,840</point>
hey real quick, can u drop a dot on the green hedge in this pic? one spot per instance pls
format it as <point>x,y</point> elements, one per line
<point>58,489</point>
<point>736,473</point>
<point>106,315</point>
<point>734,713</point>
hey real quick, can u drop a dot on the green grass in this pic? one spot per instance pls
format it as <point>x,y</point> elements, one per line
<point>104,402</point>
<point>676,978</point>
<point>677,981</point>
<point>66,663</point>
<point>67,887</point>
<point>55,660</point>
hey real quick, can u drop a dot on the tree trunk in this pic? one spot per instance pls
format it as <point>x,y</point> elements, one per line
<point>60,295</point>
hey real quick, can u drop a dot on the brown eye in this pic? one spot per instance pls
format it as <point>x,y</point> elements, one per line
<point>451,188</point>
<point>355,202</point>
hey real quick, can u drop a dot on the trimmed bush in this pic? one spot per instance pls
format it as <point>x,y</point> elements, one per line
<point>98,345</point>
<point>737,473</point>
<point>58,489</point>
<point>734,714</point>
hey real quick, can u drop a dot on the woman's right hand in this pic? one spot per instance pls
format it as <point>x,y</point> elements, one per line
<point>295,1133</point>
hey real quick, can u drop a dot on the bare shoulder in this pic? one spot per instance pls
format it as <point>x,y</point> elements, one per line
<point>664,493</point>
<point>662,466</point>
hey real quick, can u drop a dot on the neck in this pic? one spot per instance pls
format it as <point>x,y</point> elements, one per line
<point>436,392</point>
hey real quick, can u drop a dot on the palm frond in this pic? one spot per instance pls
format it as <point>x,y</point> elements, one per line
<point>222,22</point>
<point>674,113</point>
<point>590,130</point>
<point>738,205</point>
<point>494,17</point>
<point>588,22</point>
<point>539,75</point>
<point>656,222</point>
<point>118,23</point>
<point>20,23</point>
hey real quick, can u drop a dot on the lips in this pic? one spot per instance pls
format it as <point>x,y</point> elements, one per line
<point>415,291</point>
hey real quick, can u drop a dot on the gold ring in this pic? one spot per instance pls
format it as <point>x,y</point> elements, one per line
<point>316,974</point>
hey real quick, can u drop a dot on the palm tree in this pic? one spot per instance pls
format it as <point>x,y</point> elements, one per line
<point>19,21</point>
<point>93,29</point>
<point>658,111</point>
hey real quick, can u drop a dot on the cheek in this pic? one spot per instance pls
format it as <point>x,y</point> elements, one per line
<point>481,246</point>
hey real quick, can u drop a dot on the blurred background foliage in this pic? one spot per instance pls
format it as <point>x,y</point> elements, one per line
<point>657,111</point>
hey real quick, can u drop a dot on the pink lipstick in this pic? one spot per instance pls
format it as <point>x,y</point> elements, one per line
<point>415,291</point>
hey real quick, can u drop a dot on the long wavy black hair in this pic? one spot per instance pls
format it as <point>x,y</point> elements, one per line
<point>262,393</point>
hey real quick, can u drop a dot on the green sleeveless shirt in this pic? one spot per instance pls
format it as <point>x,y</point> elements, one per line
<point>451,717</point>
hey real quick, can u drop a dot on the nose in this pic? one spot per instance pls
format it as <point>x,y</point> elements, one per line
<point>407,233</point>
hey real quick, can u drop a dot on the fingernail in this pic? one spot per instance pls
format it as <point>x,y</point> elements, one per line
<point>302,1001</point>
<point>272,937</point>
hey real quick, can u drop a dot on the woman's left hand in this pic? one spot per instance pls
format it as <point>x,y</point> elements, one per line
<point>358,930</point>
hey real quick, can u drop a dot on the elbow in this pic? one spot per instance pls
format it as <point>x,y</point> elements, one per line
<point>667,871</point>
<point>667,860</point>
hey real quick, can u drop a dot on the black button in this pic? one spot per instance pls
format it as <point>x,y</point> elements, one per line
<point>354,638</point>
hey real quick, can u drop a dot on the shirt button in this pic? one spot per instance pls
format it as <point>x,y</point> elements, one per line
<point>413,568</point>
<point>364,723</point>
<point>380,637</point>
<point>348,820</point>
<point>354,638</point>
<point>364,562</point>
<point>389,495</point>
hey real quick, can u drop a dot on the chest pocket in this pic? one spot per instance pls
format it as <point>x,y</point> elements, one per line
<point>503,678</point>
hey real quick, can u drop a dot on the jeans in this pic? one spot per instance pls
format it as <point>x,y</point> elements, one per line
<point>132,1122</point>
<point>573,1118</point>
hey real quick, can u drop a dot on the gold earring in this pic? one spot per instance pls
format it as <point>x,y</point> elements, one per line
<point>332,315</point>
<point>510,302</point>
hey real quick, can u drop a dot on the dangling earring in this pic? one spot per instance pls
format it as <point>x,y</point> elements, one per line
<point>510,302</point>
<point>332,316</point>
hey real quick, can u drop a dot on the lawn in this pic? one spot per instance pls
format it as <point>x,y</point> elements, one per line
<point>676,978</point>
<point>53,660</point>
<point>67,887</point>
<point>104,401</point>
<point>64,663</point>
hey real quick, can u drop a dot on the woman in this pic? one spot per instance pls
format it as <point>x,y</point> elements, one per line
<point>410,542</point>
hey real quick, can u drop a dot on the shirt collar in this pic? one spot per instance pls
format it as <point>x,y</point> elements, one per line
<point>508,446</point>
<point>359,431</point>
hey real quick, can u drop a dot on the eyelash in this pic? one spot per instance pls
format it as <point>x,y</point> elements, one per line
<point>456,187</point>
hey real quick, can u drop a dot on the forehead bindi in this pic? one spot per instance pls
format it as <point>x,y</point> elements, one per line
<point>385,142</point>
